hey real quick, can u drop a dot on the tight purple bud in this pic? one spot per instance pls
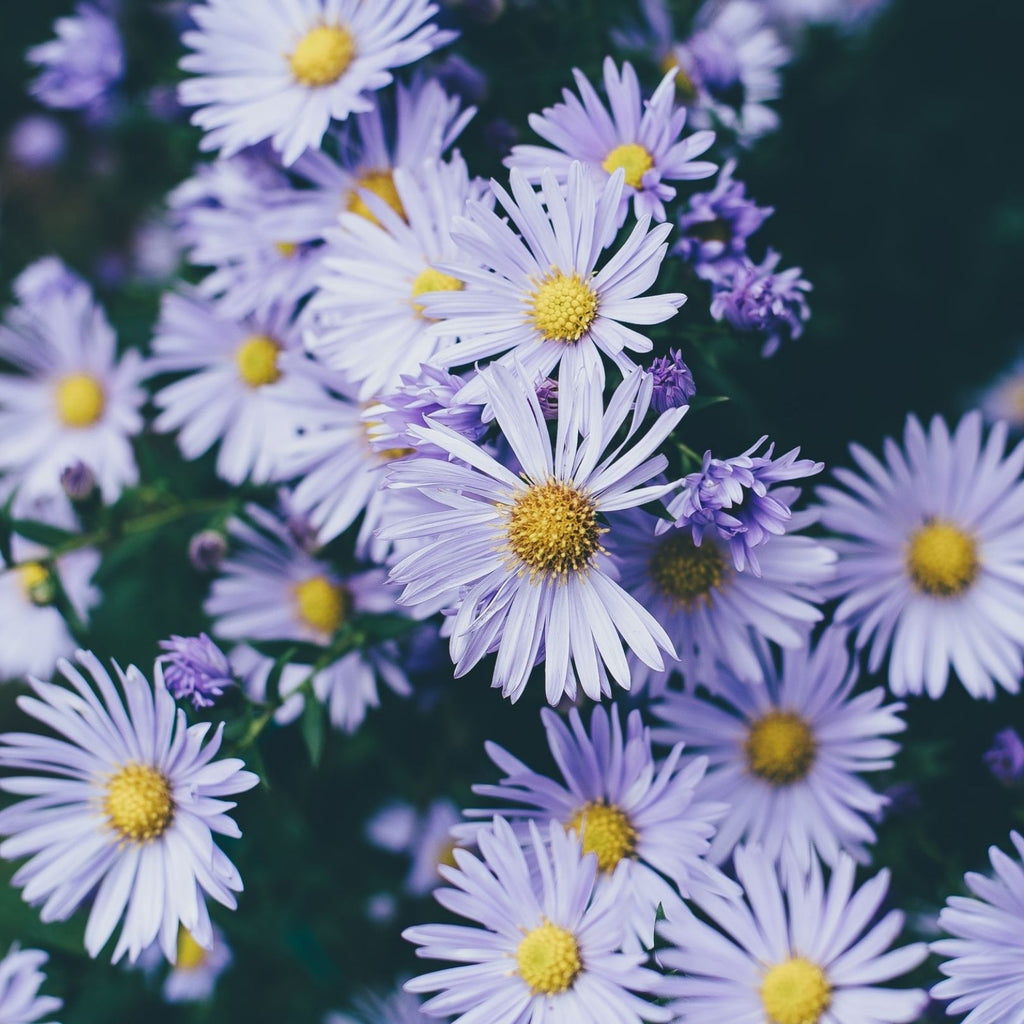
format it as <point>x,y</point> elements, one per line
<point>78,481</point>
<point>673,382</point>
<point>194,668</point>
<point>206,550</point>
<point>1005,759</point>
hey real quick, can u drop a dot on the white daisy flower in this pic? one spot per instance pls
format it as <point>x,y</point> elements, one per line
<point>548,948</point>
<point>123,807</point>
<point>791,954</point>
<point>282,73</point>
<point>931,563</point>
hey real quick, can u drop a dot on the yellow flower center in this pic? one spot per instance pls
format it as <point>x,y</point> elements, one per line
<point>321,604</point>
<point>795,992</point>
<point>322,56</point>
<point>687,574</point>
<point>563,307</point>
<point>633,159</point>
<point>286,249</point>
<point>606,831</point>
<point>380,183</point>
<point>80,400</point>
<point>686,89</point>
<point>553,529</point>
<point>548,959</point>
<point>942,559</point>
<point>780,748</point>
<point>37,583</point>
<point>256,359</point>
<point>431,280</point>
<point>446,854</point>
<point>190,954</point>
<point>138,803</point>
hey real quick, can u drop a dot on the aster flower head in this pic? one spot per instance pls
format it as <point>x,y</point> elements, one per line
<point>625,808</point>
<point>982,961</point>
<point>539,294</point>
<point>756,300</point>
<point>673,382</point>
<point>641,137</point>
<point>1004,398</point>
<point>522,557</point>
<point>20,980</point>
<point>931,555</point>
<point>194,668</point>
<point>196,970</point>
<point>1005,758</point>
<point>788,752</point>
<point>267,72</point>
<point>122,803</point>
<point>427,839</point>
<point>540,913</point>
<point>397,1008</point>
<point>792,953</point>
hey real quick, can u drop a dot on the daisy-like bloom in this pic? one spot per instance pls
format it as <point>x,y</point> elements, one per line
<point>194,975</point>
<point>267,72</point>
<point>932,557</point>
<point>398,1008</point>
<point>983,961</point>
<point>1004,398</point>
<point>240,388</point>
<point>795,953</point>
<point>368,320</point>
<point>627,809</point>
<point>523,556</point>
<point>711,611</point>
<point>539,293</point>
<point>643,138</point>
<point>426,837</point>
<point>20,978</point>
<point>123,806</point>
<point>787,753</point>
<point>73,399</point>
<point>548,948</point>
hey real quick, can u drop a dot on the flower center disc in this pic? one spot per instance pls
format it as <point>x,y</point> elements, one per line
<point>256,359</point>
<point>190,955</point>
<point>431,280</point>
<point>139,803</point>
<point>942,559</point>
<point>606,831</point>
<point>687,574</point>
<point>633,159</point>
<point>780,748</point>
<point>37,583</point>
<point>381,184</point>
<point>321,604</point>
<point>548,959</point>
<point>553,529</point>
<point>322,56</point>
<point>795,992</point>
<point>80,400</point>
<point>563,308</point>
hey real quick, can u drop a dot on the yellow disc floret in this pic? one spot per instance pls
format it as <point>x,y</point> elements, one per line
<point>795,992</point>
<point>321,604</point>
<point>548,959</point>
<point>780,748</point>
<point>191,955</point>
<point>256,359</point>
<point>37,583</point>
<point>553,529</point>
<point>607,831</point>
<point>686,88</point>
<point>942,559</point>
<point>633,159</point>
<point>322,56</point>
<point>562,307</point>
<point>286,250</point>
<point>687,574</point>
<point>382,185</point>
<point>431,280</point>
<point>138,803</point>
<point>80,400</point>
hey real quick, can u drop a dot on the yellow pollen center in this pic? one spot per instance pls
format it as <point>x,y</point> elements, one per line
<point>687,574</point>
<point>190,954</point>
<point>321,604</point>
<point>942,559</point>
<point>553,529</point>
<point>548,959</point>
<point>80,400</point>
<point>606,831</point>
<point>380,183</point>
<point>562,307</point>
<point>795,992</point>
<point>286,249</point>
<point>322,56</point>
<point>633,159</point>
<point>685,87</point>
<point>37,583</point>
<point>446,854</point>
<point>138,803</point>
<point>780,748</point>
<point>256,359</point>
<point>431,280</point>
<point>716,230</point>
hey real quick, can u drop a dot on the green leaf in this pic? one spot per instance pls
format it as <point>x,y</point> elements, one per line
<point>314,727</point>
<point>42,533</point>
<point>703,401</point>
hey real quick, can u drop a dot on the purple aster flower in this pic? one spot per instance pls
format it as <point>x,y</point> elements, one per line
<point>716,225</point>
<point>1006,758</point>
<point>81,64</point>
<point>36,141</point>
<point>194,668</point>
<point>673,382</point>
<point>756,300</point>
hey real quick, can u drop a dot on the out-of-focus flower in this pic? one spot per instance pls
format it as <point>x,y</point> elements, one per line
<point>1004,398</point>
<point>194,668</point>
<point>20,978</point>
<point>77,481</point>
<point>1005,758</point>
<point>194,975</point>
<point>426,837</point>
<point>36,141</point>
<point>399,1008</point>
<point>206,550</point>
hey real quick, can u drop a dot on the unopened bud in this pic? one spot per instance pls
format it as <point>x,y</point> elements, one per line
<point>206,550</point>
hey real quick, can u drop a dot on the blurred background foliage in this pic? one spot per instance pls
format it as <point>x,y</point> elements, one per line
<point>897,182</point>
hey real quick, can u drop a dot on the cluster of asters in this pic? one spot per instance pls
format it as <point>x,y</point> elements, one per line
<point>462,384</point>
